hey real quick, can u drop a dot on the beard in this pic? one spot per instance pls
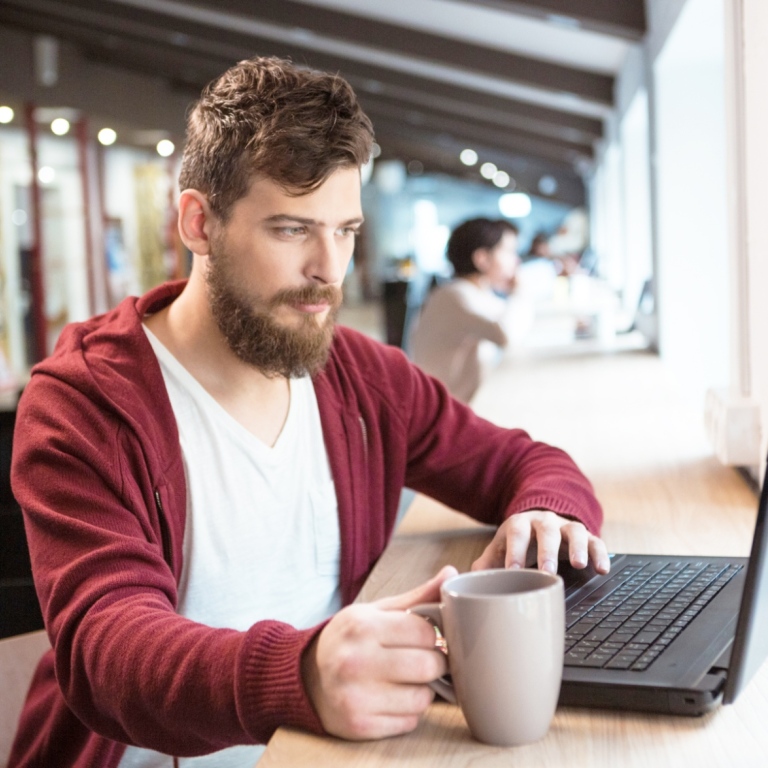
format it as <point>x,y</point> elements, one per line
<point>254,335</point>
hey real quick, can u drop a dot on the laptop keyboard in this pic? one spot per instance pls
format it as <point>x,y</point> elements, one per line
<point>634,615</point>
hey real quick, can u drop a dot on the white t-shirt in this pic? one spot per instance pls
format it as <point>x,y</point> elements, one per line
<point>262,534</point>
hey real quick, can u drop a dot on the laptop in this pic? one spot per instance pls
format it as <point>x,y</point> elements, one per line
<point>672,635</point>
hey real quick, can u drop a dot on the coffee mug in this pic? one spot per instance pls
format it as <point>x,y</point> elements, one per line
<point>504,634</point>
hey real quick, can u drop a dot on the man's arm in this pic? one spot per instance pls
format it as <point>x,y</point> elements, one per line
<point>543,504</point>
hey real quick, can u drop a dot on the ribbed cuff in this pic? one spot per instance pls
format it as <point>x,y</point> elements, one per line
<point>270,691</point>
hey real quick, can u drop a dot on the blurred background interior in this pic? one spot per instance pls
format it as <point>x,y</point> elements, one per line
<point>629,134</point>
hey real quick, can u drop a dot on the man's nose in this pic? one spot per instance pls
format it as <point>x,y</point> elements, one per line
<point>329,260</point>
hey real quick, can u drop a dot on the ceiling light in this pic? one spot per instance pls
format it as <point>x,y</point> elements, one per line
<point>547,185</point>
<point>46,174</point>
<point>515,205</point>
<point>107,136</point>
<point>488,170</point>
<point>501,178</point>
<point>165,147</point>
<point>60,126</point>
<point>6,115</point>
<point>468,156</point>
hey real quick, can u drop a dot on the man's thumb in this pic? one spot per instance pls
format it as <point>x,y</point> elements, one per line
<point>428,592</point>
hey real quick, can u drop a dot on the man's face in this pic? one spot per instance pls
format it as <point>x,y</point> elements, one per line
<point>503,262</point>
<point>275,271</point>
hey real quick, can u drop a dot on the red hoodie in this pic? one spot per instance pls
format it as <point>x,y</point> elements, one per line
<point>97,469</point>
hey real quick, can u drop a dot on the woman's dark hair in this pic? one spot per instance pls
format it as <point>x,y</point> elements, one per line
<point>540,239</point>
<point>265,116</point>
<point>471,235</point>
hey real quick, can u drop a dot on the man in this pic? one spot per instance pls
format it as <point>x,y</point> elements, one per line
<point>465,322</point>
<point>210,472</point>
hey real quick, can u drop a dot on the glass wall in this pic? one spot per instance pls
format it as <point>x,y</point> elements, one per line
<point>91,255</point>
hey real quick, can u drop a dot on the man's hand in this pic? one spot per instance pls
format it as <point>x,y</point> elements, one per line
<point>541,537</point>
<point>367,672</point>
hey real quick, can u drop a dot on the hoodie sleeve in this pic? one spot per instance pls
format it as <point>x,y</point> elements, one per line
<point>104,535</point>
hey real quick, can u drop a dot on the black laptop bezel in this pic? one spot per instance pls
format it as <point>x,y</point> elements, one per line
<point>750,643</point>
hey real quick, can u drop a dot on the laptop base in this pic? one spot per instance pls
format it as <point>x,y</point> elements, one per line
<point>663,701</point>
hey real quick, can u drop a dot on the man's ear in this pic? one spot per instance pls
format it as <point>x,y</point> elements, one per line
<point>195,220</point>
<point>480,257</point>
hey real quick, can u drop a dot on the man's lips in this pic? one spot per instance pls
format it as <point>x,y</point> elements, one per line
<point>311,309</point>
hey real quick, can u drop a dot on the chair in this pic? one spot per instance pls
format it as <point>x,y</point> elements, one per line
<point>19,608</point>
<point>18,659</point>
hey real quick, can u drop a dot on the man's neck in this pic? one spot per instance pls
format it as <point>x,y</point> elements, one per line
<point>187,329</point>
<point>478,279</point>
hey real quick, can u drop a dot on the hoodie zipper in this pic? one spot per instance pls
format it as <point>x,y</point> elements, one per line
<point>164,532</point>
<point>364,430</point>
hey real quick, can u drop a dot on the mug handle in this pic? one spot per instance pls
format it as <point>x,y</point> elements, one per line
<point>432,613</point>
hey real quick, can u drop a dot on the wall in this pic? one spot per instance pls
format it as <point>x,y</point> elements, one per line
<point>755,60</point>
<point>691,201</point>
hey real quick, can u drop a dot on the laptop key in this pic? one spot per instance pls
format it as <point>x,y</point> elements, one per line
<point>595,660</point>
<point>646,636</point>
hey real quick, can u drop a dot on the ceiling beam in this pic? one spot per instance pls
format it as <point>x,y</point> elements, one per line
<point>181,36</point>
<point>173,54</point>
<point>89,88</point>
<point>309,26</point>
<point>505,111</point>
<point>371,33</point>
<point>476,128</point>
<point>620,18</point>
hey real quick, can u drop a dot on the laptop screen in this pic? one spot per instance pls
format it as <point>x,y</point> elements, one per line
<point>750,645</point>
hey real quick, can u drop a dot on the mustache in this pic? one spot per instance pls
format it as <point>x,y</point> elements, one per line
<point>309,294</point>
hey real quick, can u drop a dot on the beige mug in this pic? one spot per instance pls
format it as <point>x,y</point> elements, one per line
<point>504,634</point>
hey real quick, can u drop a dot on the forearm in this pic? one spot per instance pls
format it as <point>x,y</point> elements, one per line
<point>489,472</point>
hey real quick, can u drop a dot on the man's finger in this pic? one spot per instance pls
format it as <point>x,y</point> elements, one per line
<point>548,540</point>
<point>598,554</point>
<point>519,539</point>
<point>492,556</point>
<point>577,538</point>
<point>429,592</point>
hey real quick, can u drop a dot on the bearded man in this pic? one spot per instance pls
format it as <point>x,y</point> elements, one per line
<point>208,473</point>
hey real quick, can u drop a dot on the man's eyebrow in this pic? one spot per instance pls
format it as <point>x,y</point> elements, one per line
<point>280,218</point>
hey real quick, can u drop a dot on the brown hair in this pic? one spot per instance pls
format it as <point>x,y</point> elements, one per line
<point>267,116</point>
<point>471,235</point>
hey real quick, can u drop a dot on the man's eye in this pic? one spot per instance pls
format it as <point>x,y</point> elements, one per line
<point>291,231</point>
<point>349,231</point>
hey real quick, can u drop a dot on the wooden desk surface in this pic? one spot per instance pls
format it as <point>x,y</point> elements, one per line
<point>733,735</point>
<point>661,491</point>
